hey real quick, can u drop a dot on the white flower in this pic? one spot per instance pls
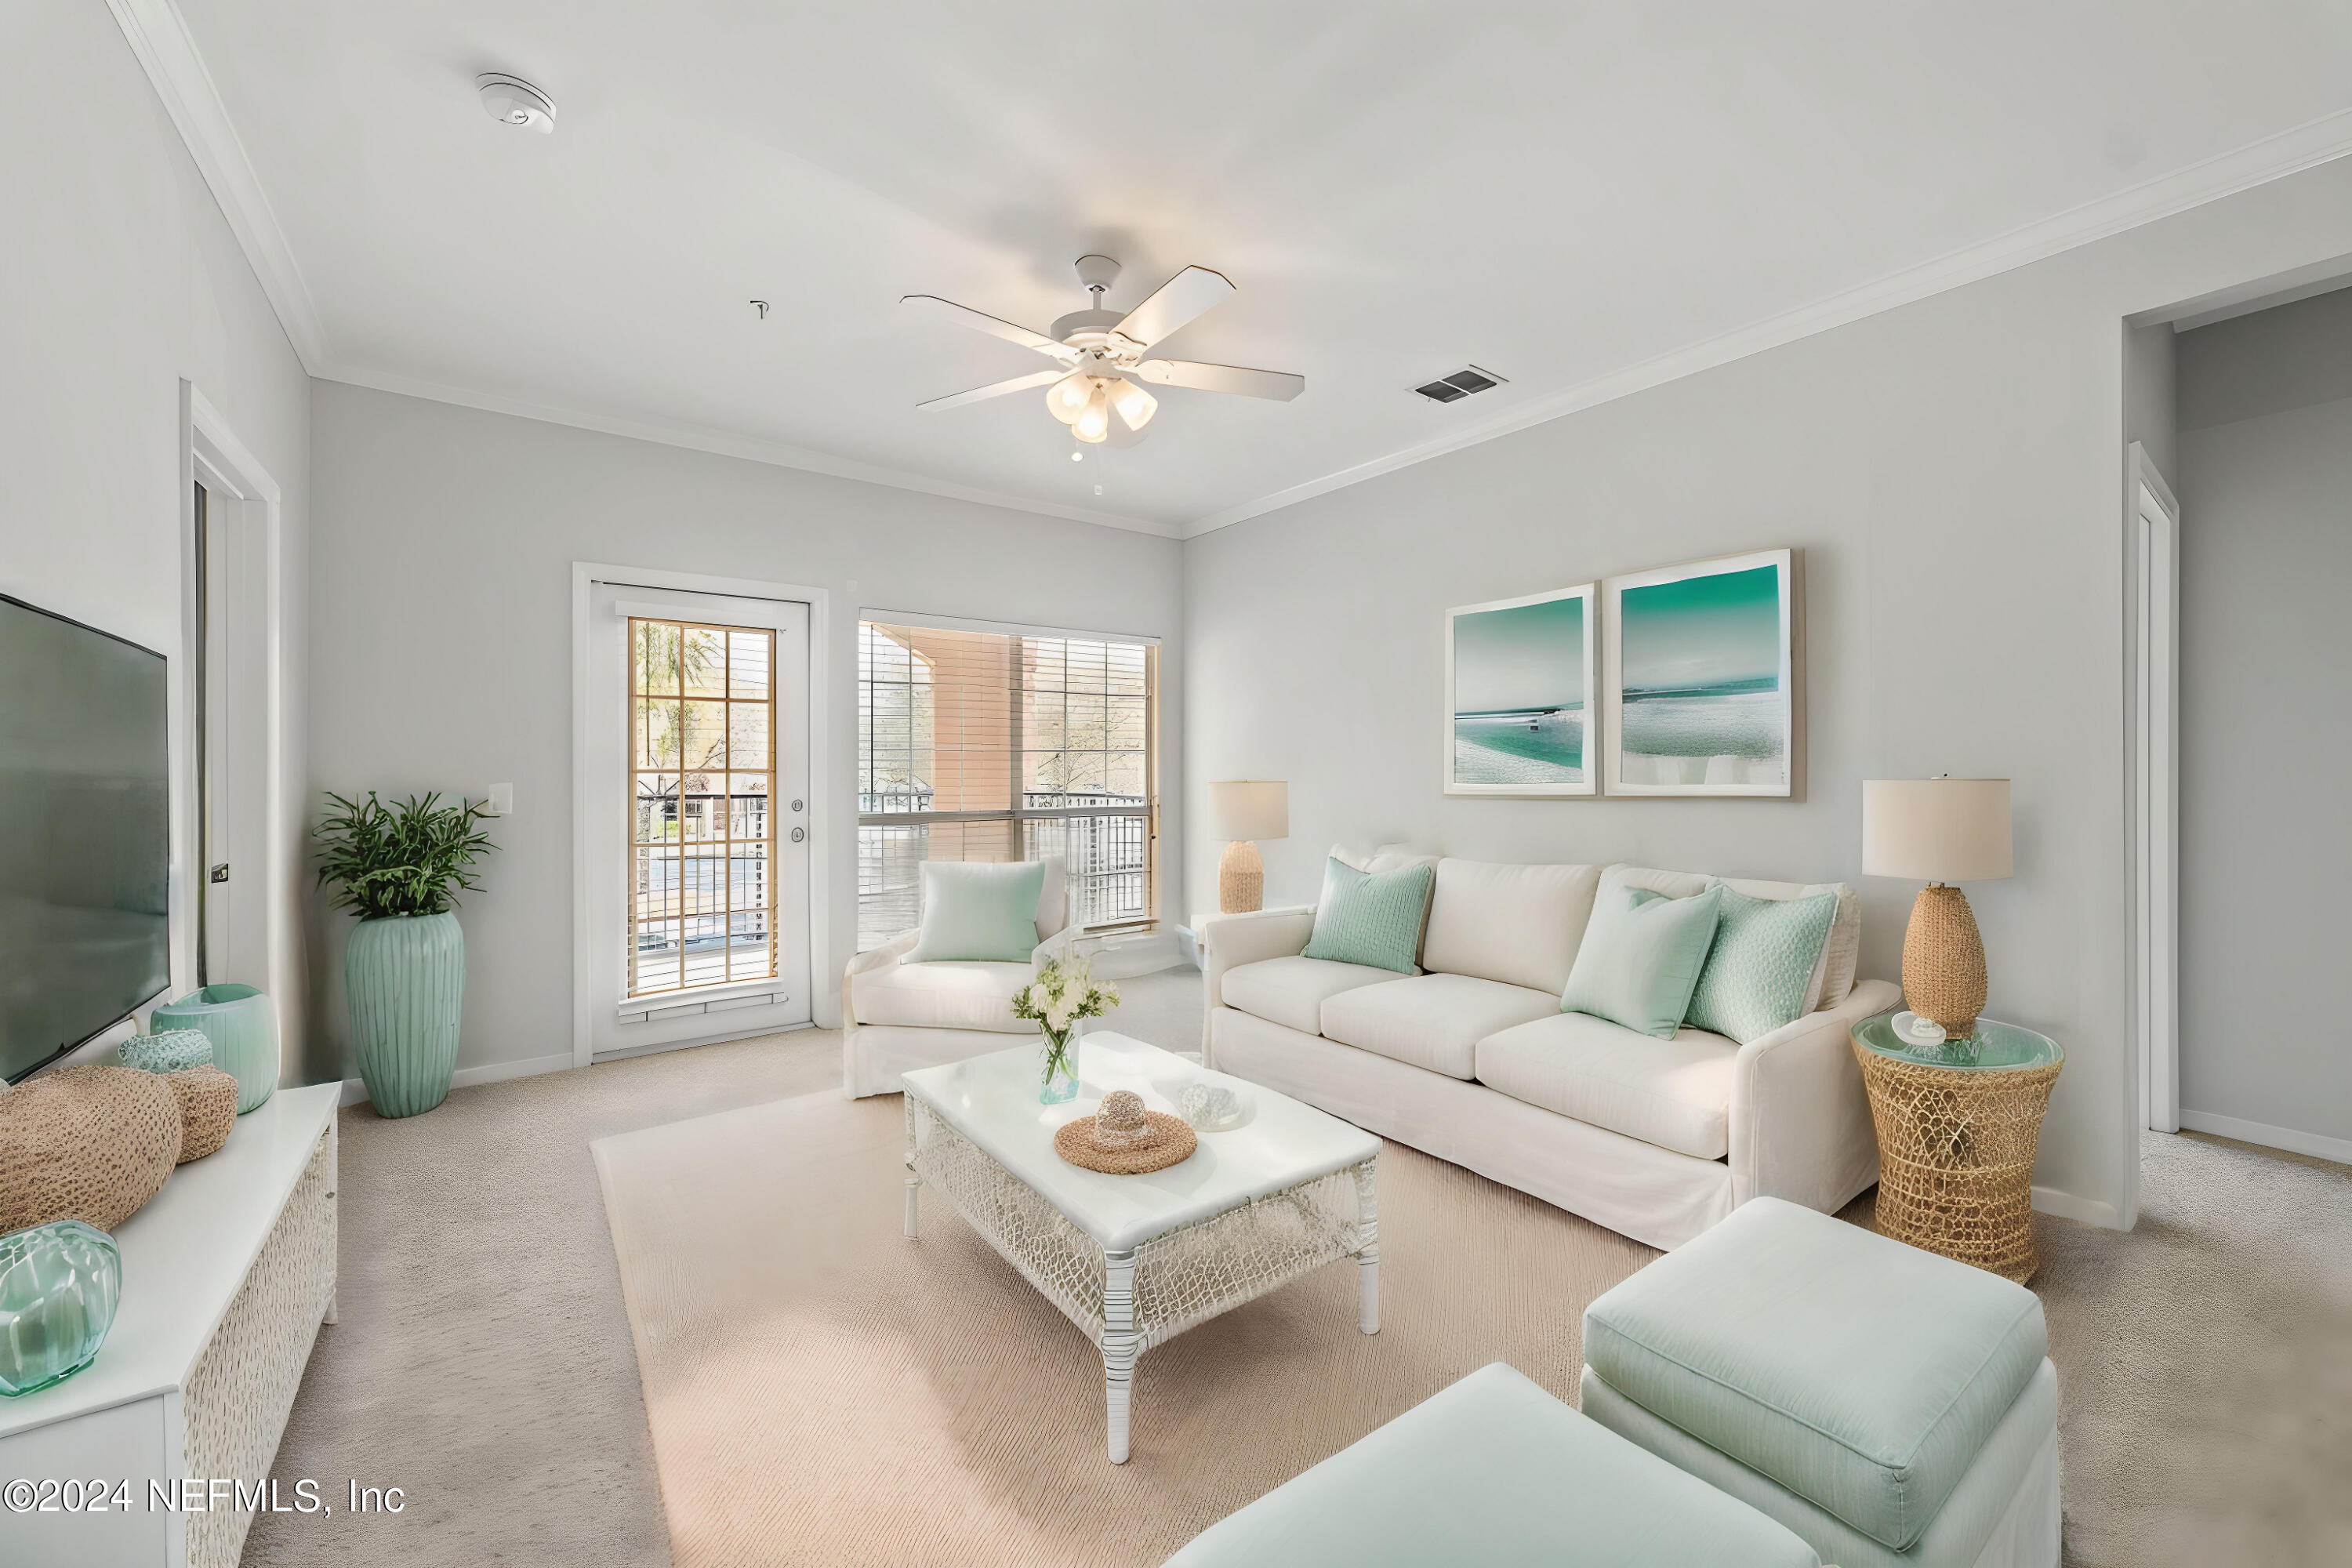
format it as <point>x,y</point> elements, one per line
<point>1059,1016</point>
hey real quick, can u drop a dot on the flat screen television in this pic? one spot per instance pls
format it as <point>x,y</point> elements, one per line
<point>85,833</point>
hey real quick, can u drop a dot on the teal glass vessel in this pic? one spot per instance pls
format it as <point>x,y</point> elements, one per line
<point>59,1285</point>
<point>243,1027</point>
<point>1058,1064</point>
<point>405,976</point>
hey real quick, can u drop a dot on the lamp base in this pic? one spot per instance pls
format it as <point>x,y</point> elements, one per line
<point>1241,880</point>
<point>1944,961</point>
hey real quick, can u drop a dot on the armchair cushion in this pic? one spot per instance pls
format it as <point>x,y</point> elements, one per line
<point>1673,1093</point>
<point>940,996</point>
<point>1291,991</point>
<point>1434,1021</point>
<point>976,911</point>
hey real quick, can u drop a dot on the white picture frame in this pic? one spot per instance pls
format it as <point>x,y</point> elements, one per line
<point>1690,679</point>
<point>1510,659</point>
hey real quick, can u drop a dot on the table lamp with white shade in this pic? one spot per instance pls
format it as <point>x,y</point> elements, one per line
<point>1941,831</point>
<point>1242,811</point>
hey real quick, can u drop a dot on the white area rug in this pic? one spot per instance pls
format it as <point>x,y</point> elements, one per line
<point>822,1390</point>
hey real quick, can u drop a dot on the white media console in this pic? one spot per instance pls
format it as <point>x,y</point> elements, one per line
<point>227,1274</point>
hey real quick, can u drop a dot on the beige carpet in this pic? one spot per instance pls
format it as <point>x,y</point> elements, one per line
<point>484,1361</point>
<point>822,1390</point>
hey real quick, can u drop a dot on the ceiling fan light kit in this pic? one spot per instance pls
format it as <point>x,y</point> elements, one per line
<point>1100,349</point>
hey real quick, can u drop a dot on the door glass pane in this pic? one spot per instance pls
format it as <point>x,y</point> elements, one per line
<point>748,795</point>
<point>705,744</point>
<point>747,735</point>
<point>657,733</point>
<point>657,809</point>
<point>655,658</point>
<point>748,657</point>
<point>703,662</point>
<point>702,809</point>
<point>656,883</point>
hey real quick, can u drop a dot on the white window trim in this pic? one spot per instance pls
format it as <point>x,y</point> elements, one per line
<point>585,838</point>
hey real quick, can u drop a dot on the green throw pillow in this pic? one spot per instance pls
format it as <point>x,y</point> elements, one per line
<point>1639,958</point>
<point>1765,950</point>
<point>1370,917</point>
<point>979,913</point>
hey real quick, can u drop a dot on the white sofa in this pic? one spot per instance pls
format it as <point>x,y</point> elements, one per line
<point>1472,1059</point>
<point>897,1017</point>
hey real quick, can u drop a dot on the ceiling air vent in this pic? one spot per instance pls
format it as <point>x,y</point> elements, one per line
<point>1459,386</point>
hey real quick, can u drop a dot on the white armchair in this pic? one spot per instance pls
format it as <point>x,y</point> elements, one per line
<point>897,1015</point>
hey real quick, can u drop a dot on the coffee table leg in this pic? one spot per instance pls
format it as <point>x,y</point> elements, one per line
<point>1118,1345</point>
<point>914,1212</point>
<point>1368,1255</point>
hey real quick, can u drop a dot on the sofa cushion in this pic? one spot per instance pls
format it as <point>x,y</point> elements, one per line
<point>1494,1470</point>
<point>1863,1374</point>
<point>943,996</point>
<point>1834,976</point>
<point>1766,959</point>
<point>1292,991</point>
<point>1673,1093</point>
<point>1641,958</point>
<point>1518,924</point>
<point>1370,917</point>
<point>1434,1021</point>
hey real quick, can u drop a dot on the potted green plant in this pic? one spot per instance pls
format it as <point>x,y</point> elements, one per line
<point>400,869</point>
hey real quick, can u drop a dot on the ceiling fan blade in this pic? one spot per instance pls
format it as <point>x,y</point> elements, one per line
<point>1279,386</point>
<point>993,389</point>
<point>936,309</point>
<point>1175,302</point>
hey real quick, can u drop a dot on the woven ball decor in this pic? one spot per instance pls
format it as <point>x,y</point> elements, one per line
<point>1956,1158</point>
<point>1123,1138</point>
<point>89,1144</point>
<point>207,1098</point>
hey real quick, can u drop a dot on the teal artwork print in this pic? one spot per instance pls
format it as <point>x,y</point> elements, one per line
<point>1521,695</point>
<point>1700,672</point>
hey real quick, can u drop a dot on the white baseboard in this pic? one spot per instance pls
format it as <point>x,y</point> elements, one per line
<point>2086,1211</point>
<point>355,1091</point>
<point>2317,1144</point>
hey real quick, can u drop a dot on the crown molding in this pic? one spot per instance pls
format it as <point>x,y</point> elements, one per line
<point>2257,164</point>
<point>751,448</point>
<point>160,38</point>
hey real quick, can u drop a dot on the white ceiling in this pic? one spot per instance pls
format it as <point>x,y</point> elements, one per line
<point>1581,197</point>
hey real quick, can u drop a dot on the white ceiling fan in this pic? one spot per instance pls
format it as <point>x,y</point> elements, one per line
<point>1096,352</point>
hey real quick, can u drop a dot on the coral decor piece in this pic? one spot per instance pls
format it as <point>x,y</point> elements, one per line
<point>171,1050</point>
<point>91,1143</point>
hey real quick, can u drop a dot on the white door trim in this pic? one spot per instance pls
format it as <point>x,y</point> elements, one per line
<point>244,499</point>
<point>584,574</point>
<point>2154,558</point>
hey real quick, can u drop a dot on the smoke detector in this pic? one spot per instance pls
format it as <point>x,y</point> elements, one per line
<point>510,100</point>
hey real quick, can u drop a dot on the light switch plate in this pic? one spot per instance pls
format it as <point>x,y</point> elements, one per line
<point>501,801</point>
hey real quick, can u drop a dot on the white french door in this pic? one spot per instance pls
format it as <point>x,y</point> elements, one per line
<point>695,818</point>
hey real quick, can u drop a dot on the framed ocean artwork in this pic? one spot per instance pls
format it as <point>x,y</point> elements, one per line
<point>1703,692</point>
<point>1519,678</point>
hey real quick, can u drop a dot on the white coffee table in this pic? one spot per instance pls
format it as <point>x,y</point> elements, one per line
<point>1136,1260</point>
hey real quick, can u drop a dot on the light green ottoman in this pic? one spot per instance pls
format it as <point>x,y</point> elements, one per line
<point>1495,1471</point>
<point>1895,1409</point>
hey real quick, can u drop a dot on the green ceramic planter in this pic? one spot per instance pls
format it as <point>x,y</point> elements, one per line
<point>243,1028</point>
<point>407,979</point>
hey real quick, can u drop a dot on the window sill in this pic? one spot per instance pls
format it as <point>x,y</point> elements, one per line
<point>703,999</point>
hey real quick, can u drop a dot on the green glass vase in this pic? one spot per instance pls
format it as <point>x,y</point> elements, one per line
<point>405,976</point>
<point>59,1285</point>
<point>243,1027</point>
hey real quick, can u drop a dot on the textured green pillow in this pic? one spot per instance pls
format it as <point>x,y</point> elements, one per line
<point>1370,917</point>
<point>1639,958</point>
<point>1764,953</point>
<point>979,913</point>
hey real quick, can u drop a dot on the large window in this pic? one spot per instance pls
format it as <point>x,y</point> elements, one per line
<point>702,737</point>
<point>977,745</point>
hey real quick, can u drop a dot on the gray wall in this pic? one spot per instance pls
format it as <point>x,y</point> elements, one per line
<point>122,279</point>
<point>2265,487</point>
<point>442,653</point>
<point>1953,470</point>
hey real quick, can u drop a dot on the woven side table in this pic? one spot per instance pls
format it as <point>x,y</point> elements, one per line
<point>1958,1128</point>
